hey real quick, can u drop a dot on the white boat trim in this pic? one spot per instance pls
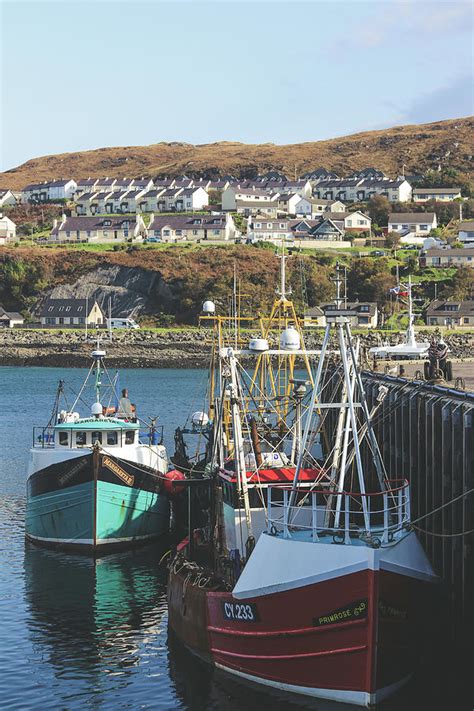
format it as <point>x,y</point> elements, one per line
<point>89,541</point>
<point>359,698</point>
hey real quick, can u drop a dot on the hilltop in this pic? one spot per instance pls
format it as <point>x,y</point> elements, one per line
<point>421,147</point>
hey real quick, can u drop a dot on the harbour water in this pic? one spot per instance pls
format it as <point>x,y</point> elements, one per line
<point>77,634</point>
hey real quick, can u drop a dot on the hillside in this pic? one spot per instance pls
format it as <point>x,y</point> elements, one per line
<point>418,147</point>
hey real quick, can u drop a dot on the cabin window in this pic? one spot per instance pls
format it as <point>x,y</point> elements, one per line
<point>112,438</point>
<point>81,438</point>
<point>64,439</point>
<point>129,437</point>
<point>96,437</point>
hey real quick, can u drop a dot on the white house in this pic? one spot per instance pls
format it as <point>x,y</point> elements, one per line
<point>356,221</point>
<point>356,189</point>
<point>10,319</point>
<point>53,190</point>
<point>287,203</point>
<point>419,223</point>
<point>7,198</point>
<point>189,227</point>
<point>466,233</point>
<point>313,207</point>
<point>148,202</point>
<point>264,229</point>
<point>439,194</point>
<point>234,195</point>
<point>191,199</point>
<point>365,314</point>
<point>107,228</point>
<point>7,230</point>
<point>67,312</point>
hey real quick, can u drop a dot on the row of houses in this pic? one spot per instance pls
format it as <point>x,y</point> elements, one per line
<point>328,227</point>
<point>155,199</point>
<point>320,183</point>
<point>166,228</point>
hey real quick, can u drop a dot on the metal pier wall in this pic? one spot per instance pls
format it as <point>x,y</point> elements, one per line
<point>426,434</point>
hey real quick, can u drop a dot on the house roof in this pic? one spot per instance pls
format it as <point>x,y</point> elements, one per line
<point>440,308</point>
<point>415,217</point>
<point>314,311</point>
<point>467,226</point>
<point>66,307</point>
<point>93,223</point>
<point>85,197</point>
<point>356,306</point>
<point>188,222</point>
<point>86,182</point>
<point>324,224</point>
<point>286,197</point>
<point>453,252</point>
<point>10,315</point>
<point>256,203</point>
<point>435,191</point>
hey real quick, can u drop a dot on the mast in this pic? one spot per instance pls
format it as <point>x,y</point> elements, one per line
<point>239,454</point>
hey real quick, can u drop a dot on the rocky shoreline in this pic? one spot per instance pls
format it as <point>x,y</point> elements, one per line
<point>148,349</point>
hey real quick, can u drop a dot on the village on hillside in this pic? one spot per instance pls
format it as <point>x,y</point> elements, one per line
<point>429,218</point>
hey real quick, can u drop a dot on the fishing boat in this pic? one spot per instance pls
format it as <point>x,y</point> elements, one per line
<point>95,482</point>
<point>276,376</point>
<point>327,600</point>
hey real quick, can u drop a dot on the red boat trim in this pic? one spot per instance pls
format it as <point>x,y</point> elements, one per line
<point>287,633</point>
<point>324,653</point>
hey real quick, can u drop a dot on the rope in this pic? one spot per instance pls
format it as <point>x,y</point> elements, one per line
<point>443,506</point>
<point>443,535</point>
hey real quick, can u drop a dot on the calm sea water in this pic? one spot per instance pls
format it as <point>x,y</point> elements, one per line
<point>77,634</point>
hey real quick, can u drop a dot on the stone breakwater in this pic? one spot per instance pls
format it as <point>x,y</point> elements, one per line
<point>147,349</point>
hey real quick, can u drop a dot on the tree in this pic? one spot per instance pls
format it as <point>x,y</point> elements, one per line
<point>392,241</point>
<point>462,283</point>
<point>369,280</point>
<point>379,209</point>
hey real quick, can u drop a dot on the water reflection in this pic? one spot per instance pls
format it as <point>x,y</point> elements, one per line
<point>95,616</point>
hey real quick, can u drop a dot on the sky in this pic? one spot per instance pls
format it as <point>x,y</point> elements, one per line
<point>80,75</point>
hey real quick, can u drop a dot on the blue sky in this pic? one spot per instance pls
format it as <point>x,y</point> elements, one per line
<point>81,75</point>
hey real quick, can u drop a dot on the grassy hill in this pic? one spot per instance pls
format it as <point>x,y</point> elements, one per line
<point>447,144</point>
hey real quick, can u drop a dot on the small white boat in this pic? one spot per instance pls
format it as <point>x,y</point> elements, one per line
<point>410,349</point>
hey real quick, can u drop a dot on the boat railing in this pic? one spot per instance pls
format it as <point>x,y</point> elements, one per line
<point>375,518</point>
<point>43,437</point>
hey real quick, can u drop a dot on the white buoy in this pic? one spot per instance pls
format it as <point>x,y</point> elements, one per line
<point>290,339</point>
<point>209,308</point>
<point>199,419</point>
<point>258,344</point>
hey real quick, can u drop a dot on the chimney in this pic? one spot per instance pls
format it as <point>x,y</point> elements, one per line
<point>55,224</point>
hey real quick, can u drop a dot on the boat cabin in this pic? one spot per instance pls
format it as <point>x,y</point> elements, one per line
<point>258,483</point>
<point>87,432</point>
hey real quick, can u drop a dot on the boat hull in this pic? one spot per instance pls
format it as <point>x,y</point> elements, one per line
<point>95,502</point>
<point>353,637</point>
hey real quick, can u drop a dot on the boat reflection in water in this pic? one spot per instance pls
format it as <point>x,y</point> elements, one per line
<point>97,619</point>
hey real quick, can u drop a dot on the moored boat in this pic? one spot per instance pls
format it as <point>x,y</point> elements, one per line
<point>95,482</point>
<point>322,594</point>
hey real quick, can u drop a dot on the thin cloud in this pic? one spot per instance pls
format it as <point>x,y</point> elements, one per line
<point>410,17</point>
<point>449,101</point>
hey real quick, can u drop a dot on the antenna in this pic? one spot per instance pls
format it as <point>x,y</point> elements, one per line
<point>110,319</point>
<point>87,314</point>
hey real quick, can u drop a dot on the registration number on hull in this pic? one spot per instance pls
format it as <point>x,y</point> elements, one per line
<point>240,612</point>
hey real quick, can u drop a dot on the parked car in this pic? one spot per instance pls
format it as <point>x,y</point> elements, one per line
<point>152,239</point>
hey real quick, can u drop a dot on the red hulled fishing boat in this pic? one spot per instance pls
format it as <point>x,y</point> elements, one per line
<point>306,576</point>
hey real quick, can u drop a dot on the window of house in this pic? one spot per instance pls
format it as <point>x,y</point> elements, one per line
<point>216,232</point>
<point>82,319</point>
<point>106,234</point>
<point>166,233</point>
<point>195,232</point>
<point>465,320</point>
<point>112,438</point>
<point>64,439</point>
<point>364,307</point>
<point>96,437</point>
<point>81,439</point>
<point>424,227</point>
<point>129,437</point>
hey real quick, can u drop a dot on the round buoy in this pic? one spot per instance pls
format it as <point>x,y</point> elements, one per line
<point>169,487</point>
